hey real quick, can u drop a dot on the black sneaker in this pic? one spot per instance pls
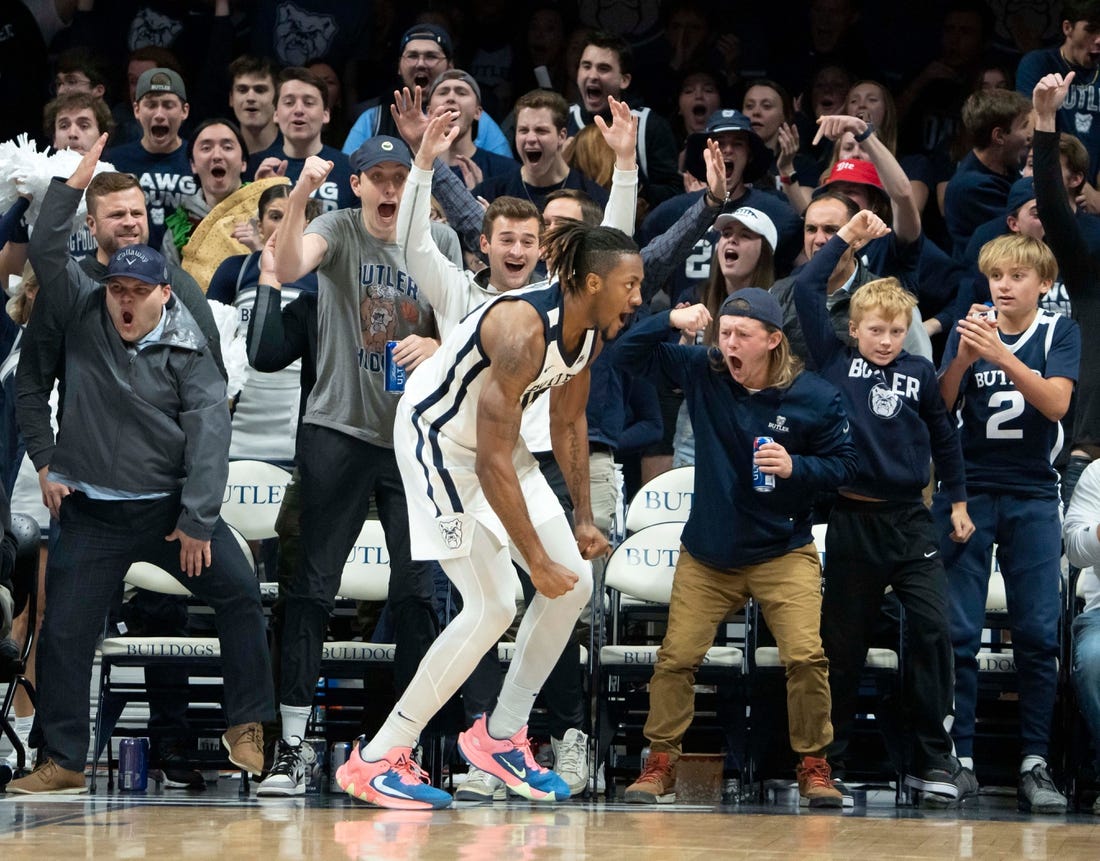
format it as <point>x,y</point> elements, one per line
<point>1037,792</point>
<point>944,787</point>
<point>175,772</point>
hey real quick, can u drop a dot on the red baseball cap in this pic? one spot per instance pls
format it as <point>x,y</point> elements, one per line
<point>854,170</point>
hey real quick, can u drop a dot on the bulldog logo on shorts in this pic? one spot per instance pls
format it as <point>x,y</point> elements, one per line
<point>451,531</point>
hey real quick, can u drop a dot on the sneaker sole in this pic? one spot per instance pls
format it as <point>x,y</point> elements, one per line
<point>834,803</point>
<point>944,788</point>
<point>639,797</point>
<point>82,790</point>
<point>940,802</point>
<point>280,791</point>
<point>1045,809</point>
<point>243,766</point>
<point>486,763</point>
<point>369,795</point>
<point>467,795</point>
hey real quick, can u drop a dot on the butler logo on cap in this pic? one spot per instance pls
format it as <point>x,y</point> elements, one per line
<point>379,149</point>
<point>160,81</point>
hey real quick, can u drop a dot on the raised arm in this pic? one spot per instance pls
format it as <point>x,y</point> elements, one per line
<point>513,340</point>
<point>296,253</point>
<point>667,251</point>
<point>443,283</point>
<point>907,226</point>
<point>622,137</point>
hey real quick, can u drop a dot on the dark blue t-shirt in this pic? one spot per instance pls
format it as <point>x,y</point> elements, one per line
<point>335,192</point>
<point>165,178</point>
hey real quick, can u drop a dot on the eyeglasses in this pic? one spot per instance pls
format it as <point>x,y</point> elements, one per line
<point>71,81</point>
<point>429,57</point>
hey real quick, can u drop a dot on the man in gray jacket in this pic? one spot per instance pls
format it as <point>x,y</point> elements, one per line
<point>144,457</point>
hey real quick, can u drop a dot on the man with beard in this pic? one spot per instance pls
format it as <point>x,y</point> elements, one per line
<point>425,54</point>
<point>159,159</point>
<point>366,297</point>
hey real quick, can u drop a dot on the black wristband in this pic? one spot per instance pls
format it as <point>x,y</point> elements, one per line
<point>866,133</point>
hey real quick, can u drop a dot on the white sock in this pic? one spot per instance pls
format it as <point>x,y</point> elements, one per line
<point>295,719</point>
<point>513,708</point>
<point>1030,762</point>
<point>22,726</point>
<point>967,762</point>
<point>399,730</point>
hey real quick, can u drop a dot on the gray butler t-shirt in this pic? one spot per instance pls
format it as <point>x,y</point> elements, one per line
<point>365,298</point>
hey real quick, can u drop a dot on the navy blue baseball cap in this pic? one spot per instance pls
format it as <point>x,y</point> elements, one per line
<point>430,33</point>
<point>727,120</point>
<point>140,262</point>
<point>754,303</point>
<point>378,149</point>
<point>1022,191</point>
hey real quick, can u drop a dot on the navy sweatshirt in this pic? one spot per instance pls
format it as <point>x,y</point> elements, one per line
<point>899,420</point>
<point>730,524</point>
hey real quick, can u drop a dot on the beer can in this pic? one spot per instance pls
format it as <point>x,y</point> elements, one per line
<point>133,764</point>
<point>315,774</point>
<point>762,482</point>
<point>341,750</point>
<point>395,374</point>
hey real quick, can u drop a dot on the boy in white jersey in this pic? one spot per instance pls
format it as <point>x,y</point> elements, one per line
<point>1009,377</point>
<point>477,500</point>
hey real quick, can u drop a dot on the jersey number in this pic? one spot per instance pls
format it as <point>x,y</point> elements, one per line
<point>1009,406</point>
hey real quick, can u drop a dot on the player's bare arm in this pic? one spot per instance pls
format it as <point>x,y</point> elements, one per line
<point>513,340</point>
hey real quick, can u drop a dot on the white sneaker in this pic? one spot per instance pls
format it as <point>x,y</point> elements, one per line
<point>31,753</point>
<point>290,773</point>
<point>481,786</point>
<point>571,760</point>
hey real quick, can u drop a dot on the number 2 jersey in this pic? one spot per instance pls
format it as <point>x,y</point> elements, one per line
<point>1008,445</point>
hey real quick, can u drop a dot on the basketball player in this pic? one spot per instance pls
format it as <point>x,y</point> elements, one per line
<point>477,500</point>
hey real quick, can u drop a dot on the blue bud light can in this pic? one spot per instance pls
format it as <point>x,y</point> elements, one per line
<point>341,750</point>
<point>762,482</point>
<point>133,764</point>
<point>395,374</point>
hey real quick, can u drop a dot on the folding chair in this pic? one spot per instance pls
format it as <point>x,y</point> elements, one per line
<point>664,498</point>
<point>253,495</point>
<point>642,568</point>
<point>13,668</point>
<point>200,655</point>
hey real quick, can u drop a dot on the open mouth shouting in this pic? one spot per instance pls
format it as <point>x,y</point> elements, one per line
<point>160,131</point>
<point>387,211</point>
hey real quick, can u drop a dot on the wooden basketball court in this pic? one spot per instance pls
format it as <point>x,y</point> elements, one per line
<point>217,823</point>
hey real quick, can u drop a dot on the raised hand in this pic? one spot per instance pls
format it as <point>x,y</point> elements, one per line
<point>314,173</point>
<point>833,127</point>
<point>717,181</point>
<point>1050,93</point>
<point>407,111</point>
<point>692,318</point>
<point>862,228</point>
<point>471,173</point>
<point>622,134</point>
<point>271,166</point>
<point>788,148</point>
<point>439,134</point>
<point>86,169</point>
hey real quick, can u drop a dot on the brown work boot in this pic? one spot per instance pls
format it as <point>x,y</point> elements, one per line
<point>815,782</point>
<point>657,783</point>
<point>50,777</point>
<point>245,743</point>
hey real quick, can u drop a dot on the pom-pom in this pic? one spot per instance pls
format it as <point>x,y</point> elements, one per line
<point>26,171</point>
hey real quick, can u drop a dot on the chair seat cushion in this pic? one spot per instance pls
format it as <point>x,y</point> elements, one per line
<point>184,648</point>
<point>618,656</point>
<point>506,652</point>
<point>996,662</point>
<point>352,650</point>
<point>877,659</point>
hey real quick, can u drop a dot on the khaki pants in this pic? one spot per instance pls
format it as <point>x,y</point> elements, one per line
<point>788,589</point>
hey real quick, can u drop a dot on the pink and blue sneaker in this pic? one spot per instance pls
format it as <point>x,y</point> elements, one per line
<point>510,759</point>
<point>395,781</point>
